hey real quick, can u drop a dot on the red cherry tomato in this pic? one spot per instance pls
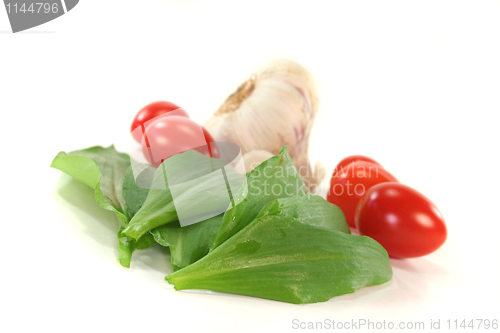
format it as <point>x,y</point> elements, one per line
<point>402,220</point>
<point>213,150</point>
<point>349,184</point>
<point>152,111</point>
<point>354,158</point>
<point>167,136</point>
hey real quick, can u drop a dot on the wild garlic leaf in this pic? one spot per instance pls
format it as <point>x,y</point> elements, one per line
<point>310,209</point>
<point>133,194</point>
<point>197,180</point>
<point>190,243</point>
<point>275,178</point>
<point>104,169</point>
<point>134,197</point>
<point>284,259</point>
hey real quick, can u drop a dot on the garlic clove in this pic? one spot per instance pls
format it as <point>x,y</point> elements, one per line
<point>254,158</point>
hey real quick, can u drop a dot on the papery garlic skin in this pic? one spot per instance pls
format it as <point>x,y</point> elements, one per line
<point>275,107</point>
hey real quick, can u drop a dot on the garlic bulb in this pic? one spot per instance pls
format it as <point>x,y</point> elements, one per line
<point>275,107</point>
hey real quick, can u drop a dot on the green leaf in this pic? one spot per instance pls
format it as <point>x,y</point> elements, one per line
<point>133,194</point>
<point>104,170</point>
<point>284,259</point>
<point>125,249</point>
<point>275,178</point>
<point>193,175</point>
<point>190,243</point>
<point>134,197</point>
<point>310,209</point>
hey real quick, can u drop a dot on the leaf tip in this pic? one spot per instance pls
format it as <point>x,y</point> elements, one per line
<point>59,155</point>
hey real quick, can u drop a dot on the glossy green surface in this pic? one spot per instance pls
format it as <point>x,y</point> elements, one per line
<point>275,178</point>
<point>280,245</point>
<point>310,209</point>
<point>284,259</point>
<point>105,171</point>
<point>189,172</point>
<point>134,197</point>
<point>190,243</point>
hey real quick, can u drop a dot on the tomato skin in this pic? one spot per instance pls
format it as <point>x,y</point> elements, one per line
<point>214,150</point>
<point>402,220</point>
<point>354,158</point>
<point>152,111</point>
<point>348,185</point>
<point>168,136</point>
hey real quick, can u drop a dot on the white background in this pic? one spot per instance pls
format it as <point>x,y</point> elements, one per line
<point>414,85</point>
